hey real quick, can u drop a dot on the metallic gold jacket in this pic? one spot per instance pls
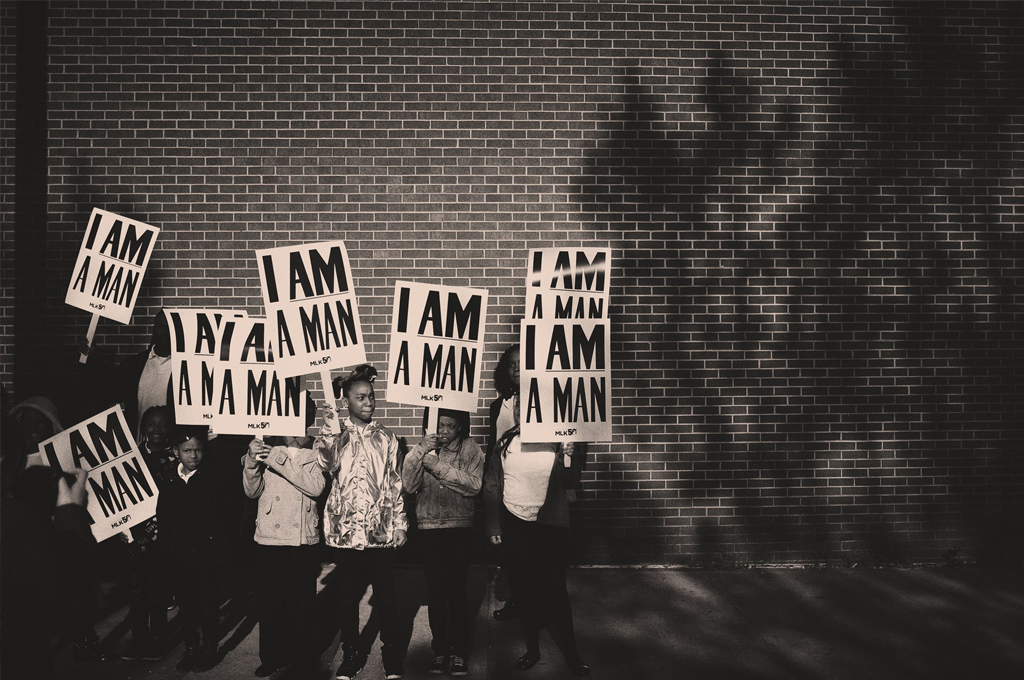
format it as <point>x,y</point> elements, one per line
<point>364,507</point>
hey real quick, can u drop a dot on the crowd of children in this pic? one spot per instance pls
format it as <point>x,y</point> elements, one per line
<point>344,489</point>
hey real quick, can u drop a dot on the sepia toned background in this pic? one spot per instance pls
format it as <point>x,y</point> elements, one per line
<point>814,210</point>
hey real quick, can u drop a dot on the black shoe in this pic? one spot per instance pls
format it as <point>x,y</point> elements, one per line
<point>458,666</point>
<point>351,663</point>
<point>206,658</point>
<point>527,661</point>
<point>265,670</point>
<point>506,613</point>
<point>578,668</point>
<point>135,650</point>
<point>188,659</point>
<point>439,665</point>
<point>394,667</point>
<point>154,650</point>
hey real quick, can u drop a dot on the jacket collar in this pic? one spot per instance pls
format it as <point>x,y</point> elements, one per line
<point>369,429</point>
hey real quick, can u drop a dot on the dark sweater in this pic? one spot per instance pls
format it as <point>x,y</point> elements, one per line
<point>194,522</point>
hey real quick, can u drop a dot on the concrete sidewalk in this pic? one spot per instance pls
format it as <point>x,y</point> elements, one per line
<point>842,624</point>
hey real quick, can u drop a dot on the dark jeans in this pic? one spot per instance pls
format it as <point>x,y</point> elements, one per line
<point>355,569</point>
<point>199,605</point>
<point>538,555</point>
<point>286,585</point>
<point>446,562</point>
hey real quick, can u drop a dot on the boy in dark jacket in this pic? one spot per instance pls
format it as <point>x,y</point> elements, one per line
<point>194,538</point>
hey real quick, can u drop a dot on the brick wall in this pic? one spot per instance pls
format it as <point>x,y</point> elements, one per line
<point>814,208</point>
<point>8,46</point>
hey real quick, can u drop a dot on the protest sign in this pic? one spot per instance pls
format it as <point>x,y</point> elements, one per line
<point>111,263</point>
<point>252,396</point>
<point>122,492</point>
<point>311,307</point>
<point>568,283</point>
<point>437,340</point>
<point>566,381</point>
<point>223,375</point>
<point>195,357</point>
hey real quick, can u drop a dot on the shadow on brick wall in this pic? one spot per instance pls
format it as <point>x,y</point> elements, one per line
<point>825,287</point>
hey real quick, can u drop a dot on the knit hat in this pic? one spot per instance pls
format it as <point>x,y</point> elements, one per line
<point>42,405</point>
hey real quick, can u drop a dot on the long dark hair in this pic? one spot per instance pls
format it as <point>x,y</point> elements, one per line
<point>502,382</point>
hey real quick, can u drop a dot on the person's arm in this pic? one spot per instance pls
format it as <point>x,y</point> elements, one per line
<point>401,521</point>
<point>571,473</point>
<point>252,468</point>
<point>302,471</point>
<point>492,497</point>
<point>412,467</point>
<point>325,447</point>
<point>466,480</point>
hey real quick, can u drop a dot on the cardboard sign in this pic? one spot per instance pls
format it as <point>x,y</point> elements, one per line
<point>311,307</point>
<point>224,376</point>
<point>195,343</point>
<point>122,492</point>
<point>437,343</point>
<point>566,379</point>
<point>111,263</point>
<point>568,283</point>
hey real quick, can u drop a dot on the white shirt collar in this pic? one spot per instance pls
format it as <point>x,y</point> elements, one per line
<point>185,476</point>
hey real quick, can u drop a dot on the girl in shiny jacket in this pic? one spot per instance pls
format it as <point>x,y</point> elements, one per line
<point>364,519</point>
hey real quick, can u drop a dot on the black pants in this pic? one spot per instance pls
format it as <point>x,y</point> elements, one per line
<point>199,605</point>
<point>446,562</point>
<point>147,605</point>
<point>538,555</point>
<point>355,569</point>
<point>286,584</point>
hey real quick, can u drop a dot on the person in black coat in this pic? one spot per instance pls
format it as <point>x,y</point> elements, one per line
<point>46,540</point>
<point>501,418</point>
<point>194,538</point>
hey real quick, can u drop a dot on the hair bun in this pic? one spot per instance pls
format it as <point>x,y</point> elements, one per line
<point>363,372</point>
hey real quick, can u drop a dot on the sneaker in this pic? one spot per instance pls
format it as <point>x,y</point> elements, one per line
<point>458,666</point>
<point>351,663</point>
<point>439,665</point>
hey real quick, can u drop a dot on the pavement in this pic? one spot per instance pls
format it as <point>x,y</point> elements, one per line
<point>757,624</point>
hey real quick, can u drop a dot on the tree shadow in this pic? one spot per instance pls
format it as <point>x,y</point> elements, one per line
<point>820,306</point>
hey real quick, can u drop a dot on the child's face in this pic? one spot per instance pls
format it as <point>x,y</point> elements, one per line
<point>513,368</point>
<point>360,402</point>
<point>190,454</point>
<point>447,430</point>
<point>35,428</point>
<point>157,428</point>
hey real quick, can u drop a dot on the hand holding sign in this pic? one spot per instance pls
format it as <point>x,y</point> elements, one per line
<point>259,450</point>
<point>72,491</point>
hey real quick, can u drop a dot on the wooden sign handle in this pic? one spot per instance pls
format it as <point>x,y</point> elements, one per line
<point>89,335</point>
<point>328,387</point>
